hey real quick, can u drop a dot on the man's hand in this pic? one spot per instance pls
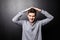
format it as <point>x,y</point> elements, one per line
<point>27,9</point>
<point>33,8</point>
<point>36,9</point>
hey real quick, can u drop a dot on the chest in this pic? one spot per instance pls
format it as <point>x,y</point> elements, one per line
<point>31,28</point>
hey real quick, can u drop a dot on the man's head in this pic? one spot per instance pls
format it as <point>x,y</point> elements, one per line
<point>31,15</point>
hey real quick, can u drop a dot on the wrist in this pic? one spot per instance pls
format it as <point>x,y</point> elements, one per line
<point>39,10</point>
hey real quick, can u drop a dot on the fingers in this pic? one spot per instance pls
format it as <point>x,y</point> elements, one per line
<point>33,8</point>
<point>37,9</point>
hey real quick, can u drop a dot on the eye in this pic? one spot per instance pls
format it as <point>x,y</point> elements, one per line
<point>30,15</point>
<point>33,15</point>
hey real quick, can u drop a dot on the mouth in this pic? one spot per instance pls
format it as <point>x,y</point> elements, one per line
<point>31,20</point>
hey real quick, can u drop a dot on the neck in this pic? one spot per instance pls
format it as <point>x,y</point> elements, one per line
<point>32,23</point>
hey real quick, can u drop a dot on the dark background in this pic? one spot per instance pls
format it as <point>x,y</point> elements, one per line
<point>9,8</point>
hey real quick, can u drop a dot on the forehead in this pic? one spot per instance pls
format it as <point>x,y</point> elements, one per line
<point>31,13</point>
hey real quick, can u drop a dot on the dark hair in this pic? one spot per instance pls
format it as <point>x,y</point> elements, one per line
<point>32,11</point>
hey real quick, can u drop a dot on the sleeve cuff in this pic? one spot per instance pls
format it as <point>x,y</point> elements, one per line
<point>42,11</point>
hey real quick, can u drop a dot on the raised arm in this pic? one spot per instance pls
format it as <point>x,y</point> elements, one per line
<point>48,19</point>
<point>15,18</point>
<point>49,16</point>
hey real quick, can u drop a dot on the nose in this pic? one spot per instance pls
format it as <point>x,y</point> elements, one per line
<point>31,17</point>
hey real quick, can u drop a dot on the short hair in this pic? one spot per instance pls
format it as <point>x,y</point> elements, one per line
<point>32,10</point>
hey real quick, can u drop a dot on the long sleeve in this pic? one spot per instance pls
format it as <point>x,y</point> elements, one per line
<point>15,18</point>
<point>48,19</point>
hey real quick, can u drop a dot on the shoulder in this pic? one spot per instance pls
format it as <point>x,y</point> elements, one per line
<point>24,21</point>
<point>38,22</point>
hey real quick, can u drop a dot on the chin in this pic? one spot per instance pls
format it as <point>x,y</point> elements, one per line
<point>31,21</point>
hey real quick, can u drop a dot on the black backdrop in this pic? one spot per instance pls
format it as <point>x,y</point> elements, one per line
<point>9,8</point>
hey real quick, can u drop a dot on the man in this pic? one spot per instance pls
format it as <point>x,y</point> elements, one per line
<point>31,27</point>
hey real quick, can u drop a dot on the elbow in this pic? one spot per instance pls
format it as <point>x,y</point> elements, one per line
<point>51,17</point>
<point>13,20</point>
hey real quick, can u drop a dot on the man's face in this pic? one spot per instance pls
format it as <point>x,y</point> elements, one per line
<point>31,17</point>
